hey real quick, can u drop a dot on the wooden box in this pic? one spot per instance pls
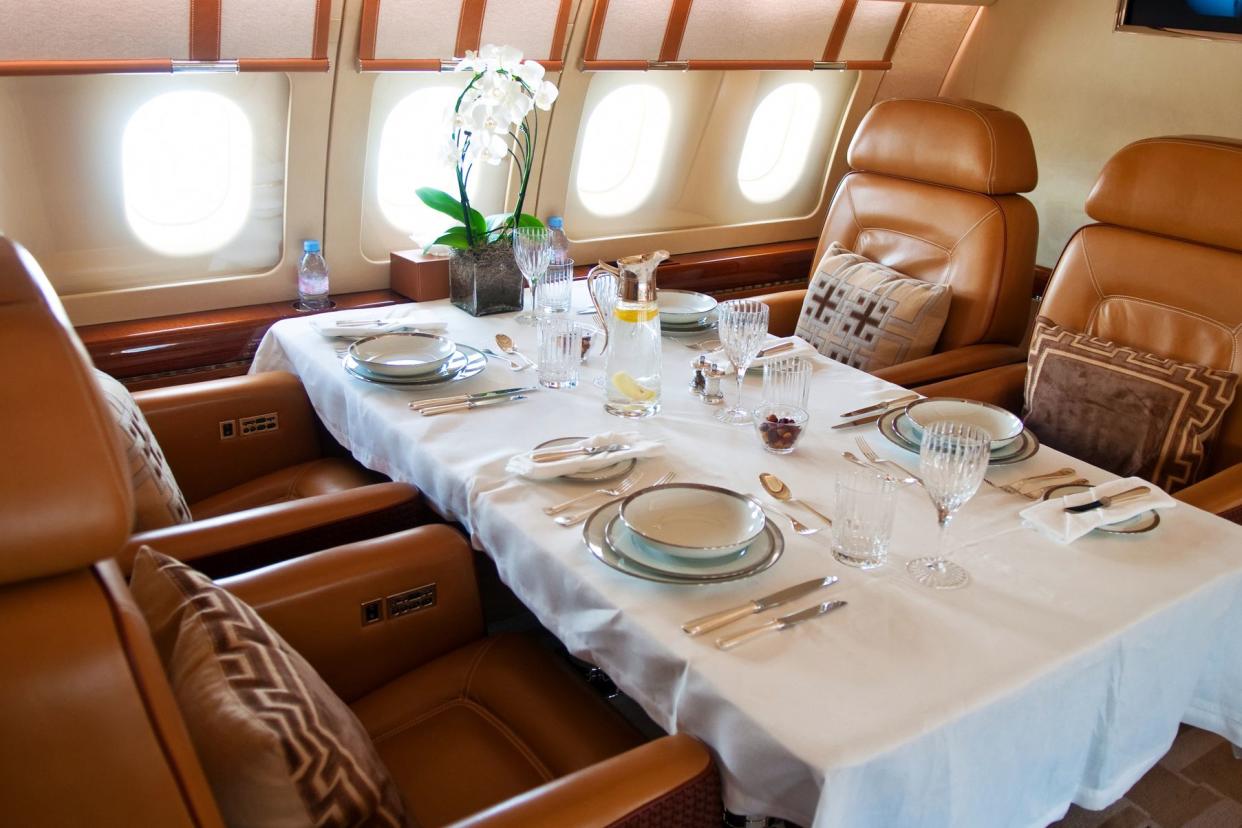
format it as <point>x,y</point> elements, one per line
<point>418,276</point>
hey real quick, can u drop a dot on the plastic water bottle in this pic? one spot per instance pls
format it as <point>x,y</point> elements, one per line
<point>312,278</point>
<point>560,244</point>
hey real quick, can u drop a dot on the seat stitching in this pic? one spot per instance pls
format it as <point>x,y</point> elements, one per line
<point>991,139</point>
<point>1095,283</point>
<point>907,235</point>
<point>1232,332</point>
<point>853,210</point>
<point>474,665</point>
<point>973,228</point>
<point>1200,144</point>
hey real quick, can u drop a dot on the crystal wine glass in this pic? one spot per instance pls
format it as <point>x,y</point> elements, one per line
<point>532,250</point>
<point>743,324</point>
<point>953,458</point>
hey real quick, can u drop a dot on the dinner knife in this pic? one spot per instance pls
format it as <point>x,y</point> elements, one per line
<point>461,398</point>
<point>1109,500</point>
<point>874,418</point>
<point>775,349</point>
<point>471,404</point>
<point>716,620</point>
<point>782,623</point>
<point>882,406</point>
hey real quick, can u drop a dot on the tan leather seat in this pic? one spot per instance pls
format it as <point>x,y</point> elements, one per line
<point>257,497</point>
<point>1160,272</point>
<point>932,194</point>
<point>92,734</point>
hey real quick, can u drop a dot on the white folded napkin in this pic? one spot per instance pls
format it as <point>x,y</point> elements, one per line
<point>800,348</point>
<point>525,465</point>
<point>1050,517</point>
<point>399,317</point>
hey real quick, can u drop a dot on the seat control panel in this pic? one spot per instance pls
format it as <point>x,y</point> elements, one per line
<point>258,423</point>
<point>404,603</point>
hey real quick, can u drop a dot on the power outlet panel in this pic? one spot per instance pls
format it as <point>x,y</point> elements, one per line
<point>416,599</point>
<point>259,423</point>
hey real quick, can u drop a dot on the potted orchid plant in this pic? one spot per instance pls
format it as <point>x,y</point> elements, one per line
<point>494,120</point>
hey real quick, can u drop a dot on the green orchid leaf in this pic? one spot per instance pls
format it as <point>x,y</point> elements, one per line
<point>499,221</point>
<point>478,224</point>
<point>441,201</point>
<point>455,237</point>
<point>527,220</point>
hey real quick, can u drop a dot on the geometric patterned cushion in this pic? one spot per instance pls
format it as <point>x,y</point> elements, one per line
<point>870,316</point>
<point>1129,412</point>
<point>158,501</point>
<point>278,746</point>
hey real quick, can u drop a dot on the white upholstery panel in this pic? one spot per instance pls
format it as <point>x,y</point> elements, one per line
<point>77,30</point>
<point>528,26</point>
<point>746,30</point>
<point>417,29</point>
<point>870,30</point>
<point>260,29</point>
<point>634,30</point>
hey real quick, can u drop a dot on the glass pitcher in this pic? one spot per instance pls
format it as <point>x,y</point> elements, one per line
<point>632,330</point>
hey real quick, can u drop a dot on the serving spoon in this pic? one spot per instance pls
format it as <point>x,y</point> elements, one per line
<point>506,344</point>
<point>776,487</point>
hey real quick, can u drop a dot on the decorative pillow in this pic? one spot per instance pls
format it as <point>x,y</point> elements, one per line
<point>870,316</point>
<point>1132,413</point>
<point>278,746</point>
<point>158,501</point>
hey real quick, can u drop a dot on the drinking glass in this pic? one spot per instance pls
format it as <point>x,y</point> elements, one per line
<point>552,295</point>
<point>863,522</point>
<point>743,324</point>
<point>953,458</point>
<point>559,351</point>
<point>532,249</point>
<point>787,382</point>
<point>604,295</point>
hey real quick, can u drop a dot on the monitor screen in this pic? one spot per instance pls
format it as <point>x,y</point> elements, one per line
<point>1218,16</point>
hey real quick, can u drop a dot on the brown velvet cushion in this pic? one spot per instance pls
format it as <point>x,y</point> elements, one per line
<point>278,746</point>
<point>1132,413</point>
<point>870,316</point>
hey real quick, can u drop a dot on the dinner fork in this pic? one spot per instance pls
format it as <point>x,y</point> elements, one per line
<point>578,517</point>
<point>618,490</point>
<point>858,461</point>
<point>1016,487</point>
<point>877,460</point>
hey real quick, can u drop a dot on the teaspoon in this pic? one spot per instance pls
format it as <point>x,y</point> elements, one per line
<point>506,344</point>
<point>776,487</point>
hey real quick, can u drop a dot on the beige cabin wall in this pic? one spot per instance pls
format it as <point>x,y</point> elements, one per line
<point>1085,91</point>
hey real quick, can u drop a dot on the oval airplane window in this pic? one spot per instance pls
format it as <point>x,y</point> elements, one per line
<point>622,148</point>
<point>412,154</point>
<point>187,172</point>
<point>778,141</point>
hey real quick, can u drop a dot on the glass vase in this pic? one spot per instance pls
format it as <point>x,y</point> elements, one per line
<point>485,280</point>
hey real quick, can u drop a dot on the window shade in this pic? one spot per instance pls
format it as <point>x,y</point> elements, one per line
<point>65,37</point>
<point>744,34</point>
<point>426,35</point>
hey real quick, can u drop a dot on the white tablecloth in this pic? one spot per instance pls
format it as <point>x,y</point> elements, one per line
<point>1059,675</point>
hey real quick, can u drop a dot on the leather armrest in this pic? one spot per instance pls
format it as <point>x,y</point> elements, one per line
<point>1002,386</point>
<point>315,602</point>
<point>186,421</point>
<point>1220,494</point>
<point>954,363</point>
<point>671,781</point>
<point>308,524</point>
<point>783,310</point>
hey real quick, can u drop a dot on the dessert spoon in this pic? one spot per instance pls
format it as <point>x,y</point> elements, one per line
<point>506,344</point>
<point>776,487</point>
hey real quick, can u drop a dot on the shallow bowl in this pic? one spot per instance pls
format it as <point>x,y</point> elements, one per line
<point>403,354</point>
<point>684,307</point>
<point>688,520</point>
<point>996,421</point>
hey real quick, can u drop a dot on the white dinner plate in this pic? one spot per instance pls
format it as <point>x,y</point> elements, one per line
<point>996,421</point>
<point>897,430</point>
<point>1136,525</point>
<point>690,520</point>
<point>627,545</point>
<point>683,307</point>
<point>464,364</point>
<point>403,354</point>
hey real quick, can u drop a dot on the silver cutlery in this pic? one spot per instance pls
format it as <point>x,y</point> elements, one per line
<point>1040,493</point>
<point>514,365</point>
<point>418,405</point>
<point>782,623</point>
<point>881,406</point>
<point>877,460</point>
<point>470,405</point>
<point>1016,487</point>
<point>858,461</point>
<point>716,620</point>
<point>359,323</point>
<point>797,525</point>
<point>774,350</point>
<point>619,490</point>
<point>506,345</point>
<point>1110,500</point>
<point>712,344</point>
<point>777,488</point>
<point>586,451</point>
<point>578,517</point>
<point>862,421</point>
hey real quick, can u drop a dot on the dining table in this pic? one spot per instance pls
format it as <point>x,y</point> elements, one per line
<point>1059,675</point>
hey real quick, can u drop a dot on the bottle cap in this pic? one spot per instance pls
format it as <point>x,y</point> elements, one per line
<point>556,222</point>
<point>310,246</point>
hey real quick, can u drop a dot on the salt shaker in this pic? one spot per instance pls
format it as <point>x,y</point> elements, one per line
<point>712,395</point>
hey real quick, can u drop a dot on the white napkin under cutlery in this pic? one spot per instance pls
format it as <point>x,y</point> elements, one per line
<point>525,465</point>
<point>800,348</point>
<point>1050,517</point>
<point>378,321</point>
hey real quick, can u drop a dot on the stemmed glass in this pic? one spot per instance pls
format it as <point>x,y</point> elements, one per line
<point>953,458</point>
<point>532,250</point>
<point>743,324</point>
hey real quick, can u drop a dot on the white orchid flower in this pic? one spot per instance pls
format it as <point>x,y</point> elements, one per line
<point>545,95</point>
<point>484,119</point>
<point>531,73</point>
<point>486,146</point>
<point>448,153</point>
<point>509,58</point>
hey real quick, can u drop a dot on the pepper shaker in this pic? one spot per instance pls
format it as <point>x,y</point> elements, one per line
<point>712,395</point>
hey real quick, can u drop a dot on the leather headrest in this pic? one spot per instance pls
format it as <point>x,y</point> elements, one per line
<point>1188,187</point>
<point>65,498</point>
<point>955,143</point>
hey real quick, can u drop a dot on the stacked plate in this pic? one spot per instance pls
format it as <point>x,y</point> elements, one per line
<point>1011,441</point>
<point>412,359</point>
<point>684,533</point>
<point>684,311</point>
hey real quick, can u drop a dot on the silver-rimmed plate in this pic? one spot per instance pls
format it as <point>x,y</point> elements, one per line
<point>593,533</point>
<point>402,355</point>
<point>617,469</point>
<point>465,363</point>
<point>1137,525</point>
<point>626,544</point>
<point>901,434</point>
<point>707,323</point>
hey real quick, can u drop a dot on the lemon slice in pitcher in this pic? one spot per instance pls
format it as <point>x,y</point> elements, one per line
<point>635,315</point>
<point>631,388</point>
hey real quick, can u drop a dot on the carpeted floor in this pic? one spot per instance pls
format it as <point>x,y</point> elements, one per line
<point>1198,784</point>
